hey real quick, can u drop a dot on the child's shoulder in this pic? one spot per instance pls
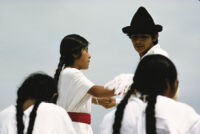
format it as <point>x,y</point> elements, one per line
<point>51,108</point>
<point>71,72</point>
<point>7,114</point>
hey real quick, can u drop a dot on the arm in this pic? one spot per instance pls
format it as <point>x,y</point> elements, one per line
<point>100,91</point>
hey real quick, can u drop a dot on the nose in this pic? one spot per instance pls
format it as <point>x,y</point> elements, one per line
<point>138,40</point>
<point>89,56</point>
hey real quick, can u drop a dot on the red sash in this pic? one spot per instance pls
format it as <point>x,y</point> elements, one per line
<point>80,117</point>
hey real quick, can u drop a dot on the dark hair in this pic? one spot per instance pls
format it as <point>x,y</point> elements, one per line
<point>39,87</point>
<point>151,77</point>
<point>153,35</point>
<point>70,45</point>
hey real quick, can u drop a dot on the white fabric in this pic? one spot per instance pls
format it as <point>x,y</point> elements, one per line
<point>156,50</point>
<point>73,97</point>
<point>50,119</point>
<point>121,83</point>
<point>172,117</point>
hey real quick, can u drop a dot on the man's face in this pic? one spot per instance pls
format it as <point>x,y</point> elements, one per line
<point>142,42</point>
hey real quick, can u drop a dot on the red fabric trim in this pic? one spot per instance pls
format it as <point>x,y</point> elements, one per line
<point>80,117</point>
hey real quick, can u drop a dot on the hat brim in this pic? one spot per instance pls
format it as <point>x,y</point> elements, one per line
<point>135,30</point>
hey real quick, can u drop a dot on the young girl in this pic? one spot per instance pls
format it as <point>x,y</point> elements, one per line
<point>75,90</point>
<point>153,111</point>
<point>33,114</point>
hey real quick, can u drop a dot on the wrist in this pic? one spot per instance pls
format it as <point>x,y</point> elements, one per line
<point>97,101</point>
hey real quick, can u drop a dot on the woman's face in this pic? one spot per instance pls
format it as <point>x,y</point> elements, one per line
<point>84,60</point>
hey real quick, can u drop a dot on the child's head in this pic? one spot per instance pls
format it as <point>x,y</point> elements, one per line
<point>142,31</point>
<point>142,42</point>
<point>38,87</point>
<point>155,75</point>
<point>73,53</point>
<point>71,48</point>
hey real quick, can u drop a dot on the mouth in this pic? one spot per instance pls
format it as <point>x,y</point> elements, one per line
<point>139,46</point>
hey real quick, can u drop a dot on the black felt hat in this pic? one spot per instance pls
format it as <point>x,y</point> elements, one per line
<point>142,22</point>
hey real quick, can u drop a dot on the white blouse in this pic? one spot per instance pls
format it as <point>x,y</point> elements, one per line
<point>172,117</point>
<point>73,97</point>
<point>50,119</point>
<point>73,87</point>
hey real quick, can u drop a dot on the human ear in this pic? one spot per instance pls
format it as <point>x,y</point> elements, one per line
<point>172,91</point>
<point>176,90</point>
<point>54,98</point>
<point>155,38</point>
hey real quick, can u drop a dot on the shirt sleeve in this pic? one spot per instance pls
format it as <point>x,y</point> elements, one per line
<point>80,84</point>
<point>73,87</point>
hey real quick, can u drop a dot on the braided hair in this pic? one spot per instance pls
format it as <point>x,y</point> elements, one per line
<point>151,77</point>
<point>39,87</point>
<point>70,45</point>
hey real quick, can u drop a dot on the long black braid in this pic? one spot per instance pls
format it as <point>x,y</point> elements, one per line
<point>150,115</point>
<point>19,116</point>
<point>150,79</point>
<point>32,117</point>
<point>120,111</point>
<point>39,87</point>
<point>58,70</point>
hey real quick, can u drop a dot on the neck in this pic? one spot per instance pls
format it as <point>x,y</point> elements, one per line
<point>74,66</point>
<point>143,53</point>
<point>28,103</point>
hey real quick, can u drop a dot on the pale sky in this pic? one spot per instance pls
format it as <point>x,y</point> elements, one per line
<point>31,31</point>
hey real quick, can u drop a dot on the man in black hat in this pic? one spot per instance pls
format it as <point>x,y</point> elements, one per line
<point>143,33</point>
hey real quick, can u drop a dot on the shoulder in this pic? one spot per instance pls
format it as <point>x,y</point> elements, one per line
<point>173,105</point>
<point>51,109</point>
<point>175,114</point>
<point>50,106</point>
<point>71,72</point>
<point>7,115</point>
<point>173,110</point>
<point>157,50</point>
<point>7,112</point>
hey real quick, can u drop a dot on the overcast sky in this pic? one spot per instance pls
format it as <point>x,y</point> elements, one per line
<point>31,31</point>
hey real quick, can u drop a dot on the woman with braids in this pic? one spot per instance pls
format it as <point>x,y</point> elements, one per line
<point>75,90</point>
<point>33,113</point>
<point>149,106</point>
